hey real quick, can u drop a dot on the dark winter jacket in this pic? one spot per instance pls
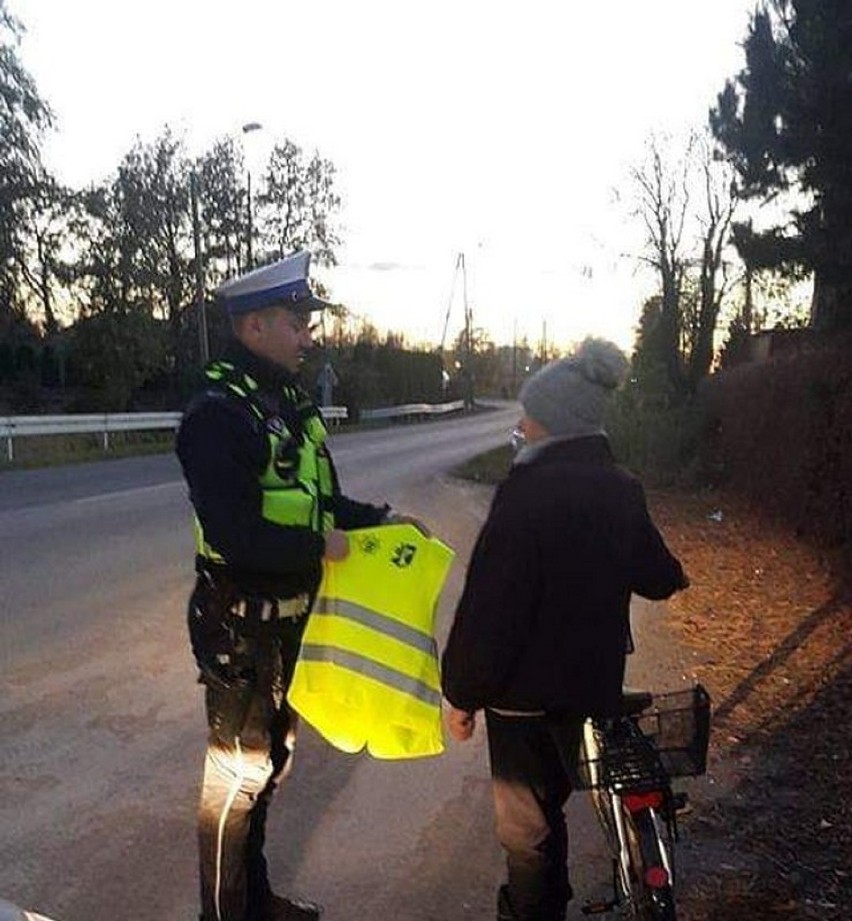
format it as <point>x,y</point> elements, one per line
<point>224,449</point>
<point>542,623</point>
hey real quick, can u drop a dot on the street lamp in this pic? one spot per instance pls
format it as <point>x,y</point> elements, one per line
<point>248,128</point>
<point>201,309</point>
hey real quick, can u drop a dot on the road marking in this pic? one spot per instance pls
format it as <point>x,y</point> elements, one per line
<point>137,490</point>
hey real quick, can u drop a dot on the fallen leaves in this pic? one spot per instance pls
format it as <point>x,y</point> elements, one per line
<point>772,630</point>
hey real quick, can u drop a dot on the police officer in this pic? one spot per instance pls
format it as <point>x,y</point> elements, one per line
<point>268,510</point>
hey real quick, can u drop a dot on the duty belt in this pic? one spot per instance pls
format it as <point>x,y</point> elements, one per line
<point>267,611</point>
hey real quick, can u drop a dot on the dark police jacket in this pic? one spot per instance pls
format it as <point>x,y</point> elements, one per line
<point>224,449</point>
<point>542,623</point>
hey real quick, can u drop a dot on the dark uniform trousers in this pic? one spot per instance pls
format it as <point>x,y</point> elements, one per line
<point>533,761</point>
<point>250,749</point>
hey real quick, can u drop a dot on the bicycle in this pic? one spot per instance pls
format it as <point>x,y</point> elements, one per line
<point>628,762</point>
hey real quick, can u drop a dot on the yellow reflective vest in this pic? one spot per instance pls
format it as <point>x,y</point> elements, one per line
<point>297,484</point>
<point>367,673</point>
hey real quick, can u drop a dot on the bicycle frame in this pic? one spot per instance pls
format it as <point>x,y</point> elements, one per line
<point>638,836</point>
<point>624,859</point>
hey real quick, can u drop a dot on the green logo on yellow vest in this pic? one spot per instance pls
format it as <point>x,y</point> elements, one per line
<point>370,544</point>
<point>403,555</point>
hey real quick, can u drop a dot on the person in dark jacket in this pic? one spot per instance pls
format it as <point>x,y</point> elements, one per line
<point>268,509</point>
<point>541,632</point>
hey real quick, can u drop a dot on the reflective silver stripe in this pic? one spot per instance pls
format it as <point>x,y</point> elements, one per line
<point>364,666</point>
<point>519,713</point>
<point>378,622</point>
<point>239,777</point>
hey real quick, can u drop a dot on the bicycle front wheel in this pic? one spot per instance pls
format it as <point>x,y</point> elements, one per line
<point>651,896</point>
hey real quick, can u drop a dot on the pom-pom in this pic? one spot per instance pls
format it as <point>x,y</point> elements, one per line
<point>601,362</point>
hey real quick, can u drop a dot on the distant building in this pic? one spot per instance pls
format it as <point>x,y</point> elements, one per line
<point>773,342</point>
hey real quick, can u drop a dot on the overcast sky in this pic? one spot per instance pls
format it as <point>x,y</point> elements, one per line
<point>504,131</point>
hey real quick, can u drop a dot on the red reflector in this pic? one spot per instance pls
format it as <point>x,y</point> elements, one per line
<point>656,877</point>
<point>636,801</point>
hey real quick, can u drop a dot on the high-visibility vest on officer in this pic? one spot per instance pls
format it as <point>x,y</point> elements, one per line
<point>298,482</point>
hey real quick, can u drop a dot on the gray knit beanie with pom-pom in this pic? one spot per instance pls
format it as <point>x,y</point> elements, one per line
<point>568,396</point>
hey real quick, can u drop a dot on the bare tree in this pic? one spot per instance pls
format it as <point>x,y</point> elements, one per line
<point>222,201</point>
<point>41,265</point>
<point>686,200</point>
<point>298,203</point>
<point>720,203</point>
<point>663,186</point>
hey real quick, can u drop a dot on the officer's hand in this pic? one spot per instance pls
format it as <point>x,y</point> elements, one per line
<point>397,518</point>
<point>336,545</point>
<point>460,724</point>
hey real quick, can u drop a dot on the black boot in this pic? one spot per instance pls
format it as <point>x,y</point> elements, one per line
<point>504,906</point>
<point>281,908</point>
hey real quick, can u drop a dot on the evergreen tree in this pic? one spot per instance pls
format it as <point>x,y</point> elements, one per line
<point>786,122</point>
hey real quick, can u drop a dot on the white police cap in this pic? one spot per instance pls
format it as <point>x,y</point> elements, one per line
<point>282,284</point>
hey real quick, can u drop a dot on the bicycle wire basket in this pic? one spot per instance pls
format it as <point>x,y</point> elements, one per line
<point>641,753</point>
<point>678,723</point>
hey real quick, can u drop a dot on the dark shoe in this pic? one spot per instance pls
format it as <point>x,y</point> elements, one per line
<point>504,905</point>
<point>281,908</point>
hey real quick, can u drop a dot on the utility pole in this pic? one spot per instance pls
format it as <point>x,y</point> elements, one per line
<point>200,305</point>
<point>249,256</point>
<point>514,358</point>
<point>468,330</point>
<point>459,263</point>
<point>467,336</point>
<point>247,129</point>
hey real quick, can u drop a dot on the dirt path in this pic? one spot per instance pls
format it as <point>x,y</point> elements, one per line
<point>768,629</point>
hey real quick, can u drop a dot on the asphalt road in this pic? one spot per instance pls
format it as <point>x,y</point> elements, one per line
<point>102,727</point>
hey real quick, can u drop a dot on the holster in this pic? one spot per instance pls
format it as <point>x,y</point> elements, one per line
<point>233,634</point>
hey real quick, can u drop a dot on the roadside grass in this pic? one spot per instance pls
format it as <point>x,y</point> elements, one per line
<point>56,450</point>
<point>490,467</point>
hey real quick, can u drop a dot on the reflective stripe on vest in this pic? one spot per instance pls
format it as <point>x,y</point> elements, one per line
<point>371,669</point>
<point>297,483</point>
<point>367,673</point>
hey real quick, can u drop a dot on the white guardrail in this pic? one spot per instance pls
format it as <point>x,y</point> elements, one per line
<point>411,409</point>
<point>104,424</point>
